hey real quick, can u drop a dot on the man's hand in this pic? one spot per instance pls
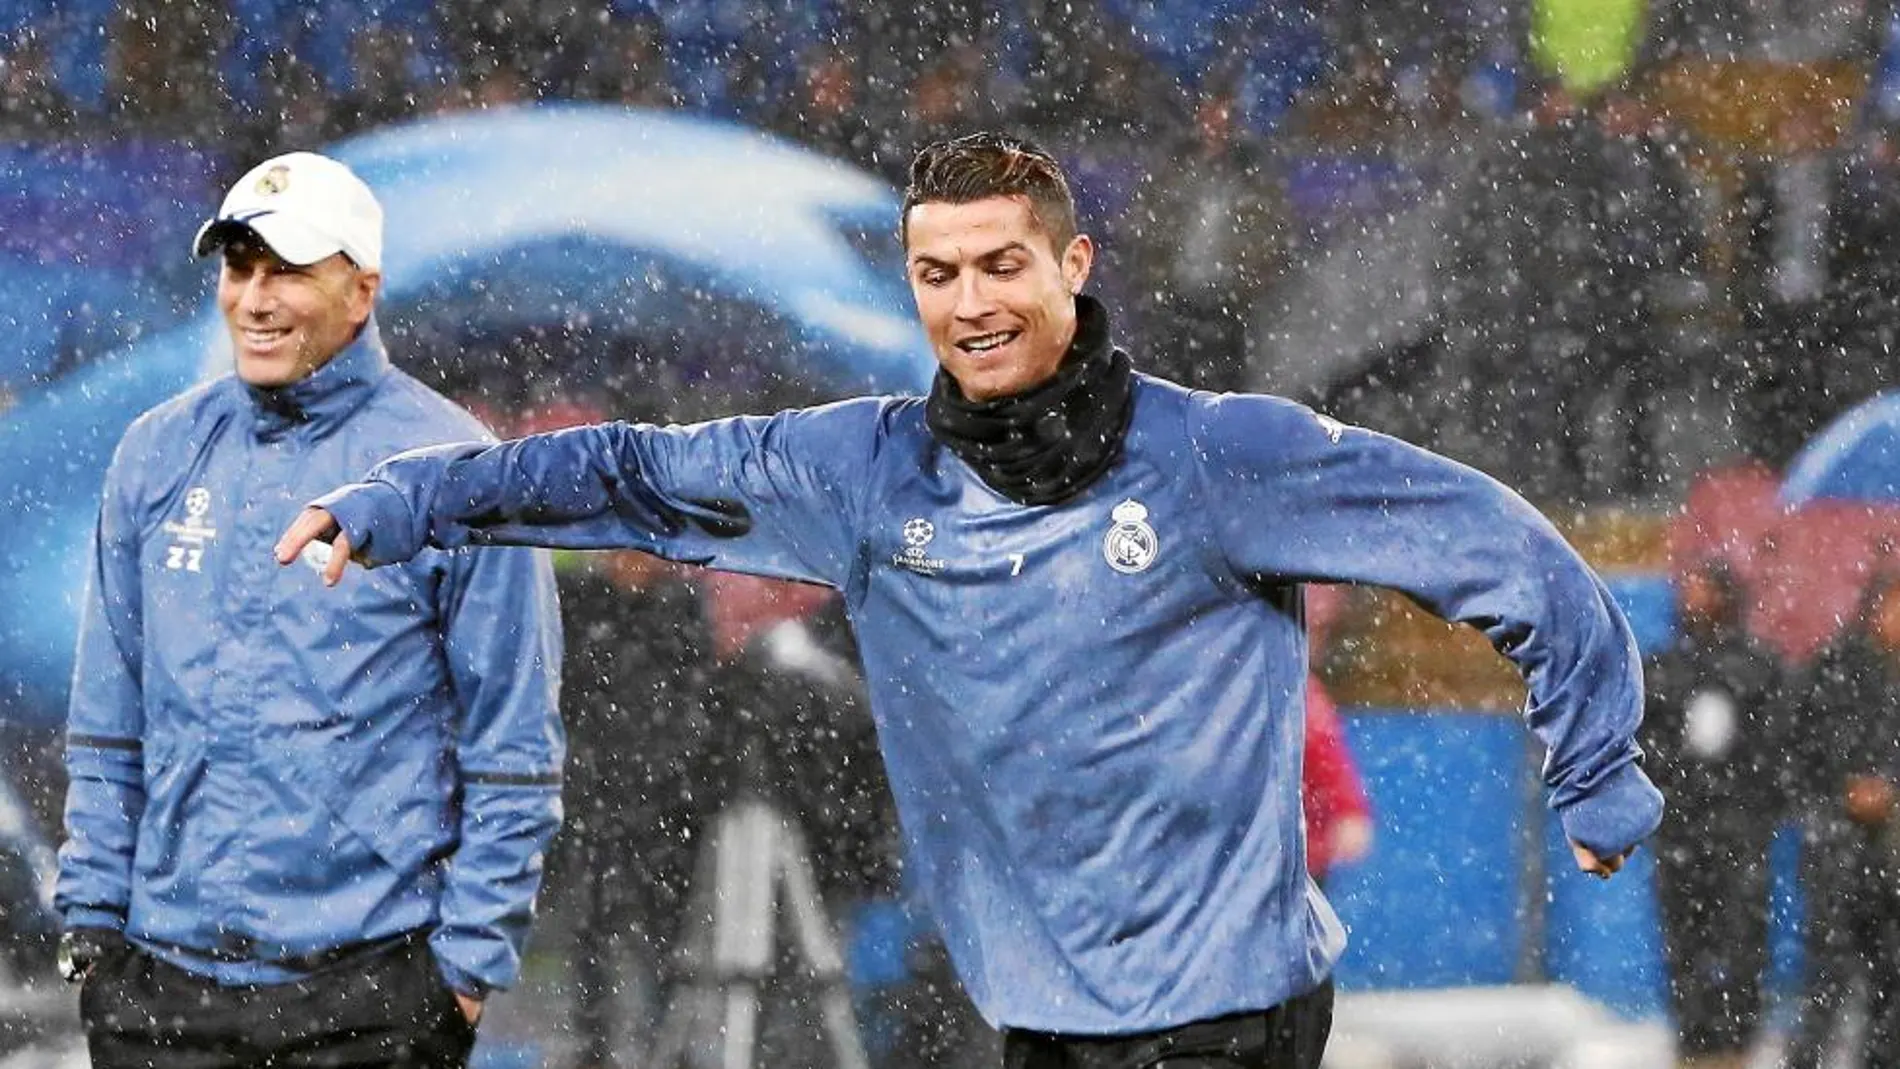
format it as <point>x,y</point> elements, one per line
<point>316,525</point>
<point>82,948</point>
<point>1600,867</point>
<point>471,1007</point>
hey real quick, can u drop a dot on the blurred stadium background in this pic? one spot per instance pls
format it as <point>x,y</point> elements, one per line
<point>1634,258</point>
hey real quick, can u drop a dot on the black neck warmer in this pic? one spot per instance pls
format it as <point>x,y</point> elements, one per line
<point>1046,445</point>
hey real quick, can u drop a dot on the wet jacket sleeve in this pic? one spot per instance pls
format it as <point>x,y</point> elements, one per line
<point>501,633</point>
<point>1296,496</point>
<point>105,795</point>
<point>774,496</point>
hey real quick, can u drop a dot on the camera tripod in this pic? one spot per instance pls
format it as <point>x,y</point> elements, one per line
<point>755,863</point>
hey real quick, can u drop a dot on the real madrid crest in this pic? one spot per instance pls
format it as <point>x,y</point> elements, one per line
<point>275,180</point>
<point>1130,545</point>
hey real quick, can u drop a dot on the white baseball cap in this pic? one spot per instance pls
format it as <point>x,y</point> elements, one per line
<point>305,207</point>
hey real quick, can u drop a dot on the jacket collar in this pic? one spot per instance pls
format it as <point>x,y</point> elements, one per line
<point>322,399</point>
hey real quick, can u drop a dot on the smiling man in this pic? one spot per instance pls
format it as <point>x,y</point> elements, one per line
<point>1077,593</point>
<point>292,838</point>
<point>997,340</point>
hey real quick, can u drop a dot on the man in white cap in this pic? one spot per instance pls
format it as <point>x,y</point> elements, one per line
<point>294,837</point>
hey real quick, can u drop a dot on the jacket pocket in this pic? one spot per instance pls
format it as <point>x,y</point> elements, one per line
<point>396,798</point>
<point>172,770</point>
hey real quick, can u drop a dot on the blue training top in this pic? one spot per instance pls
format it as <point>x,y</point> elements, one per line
<point>260,778</point>
<point>1091,712</point>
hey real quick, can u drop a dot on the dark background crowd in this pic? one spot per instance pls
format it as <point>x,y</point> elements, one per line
<point>1592,280</point>
<point>1597,281</point>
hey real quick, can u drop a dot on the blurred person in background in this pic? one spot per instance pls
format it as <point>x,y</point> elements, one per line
<point>1577,231</point>
<point>293,109</point>
<point>32,106</point>
<point>1715,729</point>
<point>622,61</point>
<point>28,926</point>
<point>512,50</point>
<point>825,113</point>
<point>163,73</point>
<point>1039,560</point>
<point>1654,268</point>
<point>638,693</point>
<point>1339,828</point>
<point>1849,742</point>
<point>790,678</point>
<point>385,80</point>
<point>294,837</point>
<point>1863,275</point>
<point>1213,236</point>
<point>950,93</point>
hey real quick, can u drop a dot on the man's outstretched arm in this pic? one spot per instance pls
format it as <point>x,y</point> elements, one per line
<point>774,496</point>
<point>1296,496</point>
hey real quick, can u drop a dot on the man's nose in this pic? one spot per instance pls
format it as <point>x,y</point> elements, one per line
<point>255,296</point>
<point>974,299</point>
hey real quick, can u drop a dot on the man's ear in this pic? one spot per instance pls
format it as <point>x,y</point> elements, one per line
<point>363,292</point>
<point>1076,261</point>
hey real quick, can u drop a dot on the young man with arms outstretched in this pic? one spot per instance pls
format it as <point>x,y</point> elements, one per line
<point>1077,592</point>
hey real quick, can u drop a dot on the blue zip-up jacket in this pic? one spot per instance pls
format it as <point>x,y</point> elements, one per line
<point>258,780</point>
<point>1092,711</point>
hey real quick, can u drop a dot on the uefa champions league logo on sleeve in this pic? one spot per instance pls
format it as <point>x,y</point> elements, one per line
<point>1130,545</point>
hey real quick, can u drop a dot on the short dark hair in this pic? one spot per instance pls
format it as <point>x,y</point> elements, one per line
<point>989,164</point>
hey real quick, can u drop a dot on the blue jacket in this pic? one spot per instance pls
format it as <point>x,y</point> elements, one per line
<point>263,770</point>
<point>1091,712</point>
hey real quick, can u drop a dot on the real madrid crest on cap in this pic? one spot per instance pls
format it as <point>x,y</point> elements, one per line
<point>1130,545</point>
<point>275,180</point>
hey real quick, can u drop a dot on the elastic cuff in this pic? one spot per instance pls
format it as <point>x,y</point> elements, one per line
<point>461,981</point>
<point>105,920</point>
<point>363,511</point>
<point>1623,811</point>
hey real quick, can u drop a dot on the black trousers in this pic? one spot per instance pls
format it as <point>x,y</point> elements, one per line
<point>1291,1035</point>
<point>386,1008</point>
<point>1852,880</point>
<point>1712,886</point>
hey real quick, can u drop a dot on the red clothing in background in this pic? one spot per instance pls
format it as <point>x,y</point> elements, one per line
<point>1330,790</point>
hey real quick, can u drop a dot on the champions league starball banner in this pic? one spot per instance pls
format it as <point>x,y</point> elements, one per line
<point>667,233</point>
